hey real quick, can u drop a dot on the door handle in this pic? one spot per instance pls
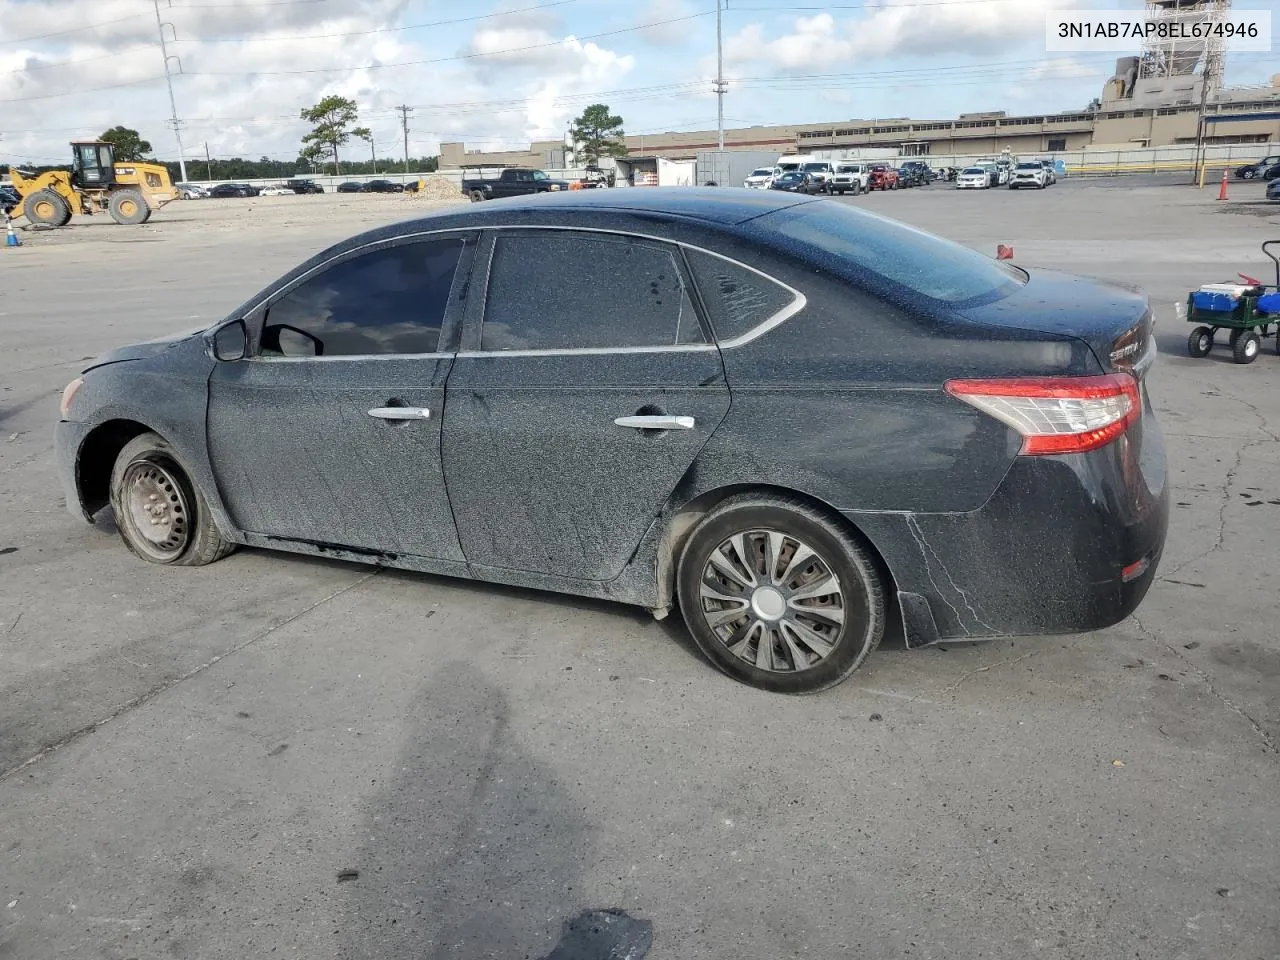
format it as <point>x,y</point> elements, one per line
<point>663,422</point>
<point>400,413</point>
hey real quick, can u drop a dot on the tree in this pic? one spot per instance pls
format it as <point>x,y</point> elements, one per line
<point>598,133</point>
<point>129,146</point>
<point>365,134</point>
<point>332,119</point>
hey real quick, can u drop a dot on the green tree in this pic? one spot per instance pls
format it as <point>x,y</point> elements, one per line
<point>332,120</point>
<point>129,146</point>
<point>365,134</point>
<point>598,133</point>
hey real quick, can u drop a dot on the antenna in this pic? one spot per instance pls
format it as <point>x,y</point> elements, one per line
<point>168,79</point>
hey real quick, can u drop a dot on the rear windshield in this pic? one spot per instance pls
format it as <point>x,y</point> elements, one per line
<point>890,258</point>
<point>1030,166</point>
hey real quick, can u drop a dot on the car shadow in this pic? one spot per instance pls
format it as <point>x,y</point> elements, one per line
<point>473,847</point>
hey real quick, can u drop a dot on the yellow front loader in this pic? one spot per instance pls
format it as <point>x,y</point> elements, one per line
<point>129,192</point>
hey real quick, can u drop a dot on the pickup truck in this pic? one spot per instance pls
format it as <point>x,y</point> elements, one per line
<point>512,182</point>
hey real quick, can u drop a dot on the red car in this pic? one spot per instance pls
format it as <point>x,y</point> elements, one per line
<point>883,177</point>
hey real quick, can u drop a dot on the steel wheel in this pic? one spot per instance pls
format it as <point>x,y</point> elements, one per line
<point>156,510</point>
<point>773,601</point>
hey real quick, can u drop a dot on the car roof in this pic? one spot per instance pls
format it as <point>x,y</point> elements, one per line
<point>722,205</point>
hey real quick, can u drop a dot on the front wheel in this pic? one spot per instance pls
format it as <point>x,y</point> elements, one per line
<point>1244,346</point>
<point>129,207</point>
<point>778,596</point>
<point>1248,174</point>
<point>1200,342</point>
<point>159,512</point>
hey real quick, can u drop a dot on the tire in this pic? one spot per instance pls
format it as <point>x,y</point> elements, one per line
<point>1200,342</point>
<point>129,206</point>
<point>1245,346</point>
<point>1248,174</point>
<point>476,196</point>
<point>789,664</point>
<point>46,208</point>
<point>149,484</point>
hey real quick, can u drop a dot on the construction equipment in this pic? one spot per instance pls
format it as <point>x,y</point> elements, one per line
<point>128,192</point>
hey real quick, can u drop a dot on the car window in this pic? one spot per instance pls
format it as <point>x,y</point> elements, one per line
<point>738,299</point>
<point>389,301</point>
<point>890,258</point>
<point>567,291</point>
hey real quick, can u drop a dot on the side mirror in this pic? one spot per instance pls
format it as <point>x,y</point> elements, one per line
<point>230,341</point>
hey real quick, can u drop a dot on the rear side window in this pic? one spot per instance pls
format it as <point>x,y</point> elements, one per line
<point>558,290</point>
<point>737,299</point>
<point>389,301</point>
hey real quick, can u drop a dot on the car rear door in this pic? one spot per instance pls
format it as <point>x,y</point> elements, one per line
<point>329,432</point>
<point>586,388</point>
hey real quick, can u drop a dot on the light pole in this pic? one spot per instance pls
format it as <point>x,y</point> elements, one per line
<point>168,79</point>
<point>720,88</point>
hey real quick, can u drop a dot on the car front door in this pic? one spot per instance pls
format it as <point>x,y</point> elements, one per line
<point>580,400</point>
<point>329,431</point>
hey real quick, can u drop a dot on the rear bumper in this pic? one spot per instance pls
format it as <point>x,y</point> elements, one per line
<point>1066,544</point>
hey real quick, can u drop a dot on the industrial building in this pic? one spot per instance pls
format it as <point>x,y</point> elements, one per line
<point>1155,99</point>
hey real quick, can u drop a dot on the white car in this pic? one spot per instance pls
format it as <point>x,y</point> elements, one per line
<point>191,191</point>
<point>852,178</point>
<point>1029,174</point>
<point>820,170</point>
<point>759,179</point>
<point>276,190</point>
<point>973,178</point>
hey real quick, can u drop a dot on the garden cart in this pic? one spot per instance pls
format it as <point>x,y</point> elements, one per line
<point>1249,309</point>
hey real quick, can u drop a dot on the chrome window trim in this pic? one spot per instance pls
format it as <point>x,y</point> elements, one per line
<point>798,303</point>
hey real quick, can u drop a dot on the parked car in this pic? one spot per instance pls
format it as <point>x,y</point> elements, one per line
<point>383,186</point>
<point>233,190</point>
<point>276,190</point>
<point>1273,189</point>
<point>883,177</point>
<point>9,197</point>
<point>511,182</point>
<point>822,171</point>
<point>191,191</point>
<point>350,186</point>
<point>1050,171</point>
<point>304,186</point>
<point>994,488</point>
<point>1254,171</point>
<point>851,177</point>
<point>974,178</point>
<point>759,178</point>
<point>1271,173</point>
<point>1029,174</point>
<point>917,172</point>
<point>795,181</point>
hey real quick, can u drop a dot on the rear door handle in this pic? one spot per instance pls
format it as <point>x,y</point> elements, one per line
<point>663,422</point>
<point>400,413</point>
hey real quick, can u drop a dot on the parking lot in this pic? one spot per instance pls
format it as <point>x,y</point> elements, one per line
<point>281,756</point>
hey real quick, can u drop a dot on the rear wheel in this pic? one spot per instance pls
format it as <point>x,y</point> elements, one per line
<point>1200,342</point>
<point>778,596</point>
<point>129,207</point>
<point>46,208</point>
<point>1244,346</point>
<point>160,514</point>
<point>476,196</point>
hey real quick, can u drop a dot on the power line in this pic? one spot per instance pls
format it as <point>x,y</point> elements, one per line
<point>63,33</point>
<point>74,93</point>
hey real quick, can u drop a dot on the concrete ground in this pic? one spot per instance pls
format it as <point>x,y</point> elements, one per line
<point>277,756</point>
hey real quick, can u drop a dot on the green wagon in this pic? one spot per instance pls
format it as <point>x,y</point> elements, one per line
<point>1251,314</point>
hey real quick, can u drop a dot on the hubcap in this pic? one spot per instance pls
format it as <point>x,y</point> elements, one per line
<point>128,208</point>
<point>44,210</point>
<point>1250,347</point>
<point>773,601</point>
<point>156,510</point>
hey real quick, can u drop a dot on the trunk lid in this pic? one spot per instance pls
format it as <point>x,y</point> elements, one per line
<point>1116,322</point>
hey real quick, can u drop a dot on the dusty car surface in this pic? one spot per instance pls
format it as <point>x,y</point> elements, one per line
<point>794,420</point>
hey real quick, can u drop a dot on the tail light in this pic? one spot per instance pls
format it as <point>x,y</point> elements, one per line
<point>1057,414</point>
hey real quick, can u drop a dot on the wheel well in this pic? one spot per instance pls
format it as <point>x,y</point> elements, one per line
<point>97,458</point>
<point>681,524</point>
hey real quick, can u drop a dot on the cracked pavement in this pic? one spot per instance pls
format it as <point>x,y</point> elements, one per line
<point>192,758</point>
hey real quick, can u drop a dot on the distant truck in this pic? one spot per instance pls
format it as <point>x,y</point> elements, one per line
<point>511,182</point>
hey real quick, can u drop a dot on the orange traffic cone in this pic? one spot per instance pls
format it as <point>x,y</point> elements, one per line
<point>1222,190</point>
<point>1003,252</point>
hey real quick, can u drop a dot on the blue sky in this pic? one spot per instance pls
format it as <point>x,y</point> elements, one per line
<point>499,74</point>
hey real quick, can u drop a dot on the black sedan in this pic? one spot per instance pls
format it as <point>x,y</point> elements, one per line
<point>792,420</point>
<point>350,186</point>
<point>223,190</point>
<point>1273,189</point>
<point>383,186</point>
<point>795,181</point>
<point>1257,169</point>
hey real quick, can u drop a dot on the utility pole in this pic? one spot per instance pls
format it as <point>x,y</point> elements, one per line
<point>373,154</point>
<point>208,159</point>
<point>405,110</point>
<point>720,87</point>
<point>164,52</point>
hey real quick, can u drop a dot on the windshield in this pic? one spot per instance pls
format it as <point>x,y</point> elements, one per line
<point>815,167</point>
<point>785,167</point>
<point>848,168</point>
<point>899,262</point>
<point>1030,166</point>
<point>975,171</point>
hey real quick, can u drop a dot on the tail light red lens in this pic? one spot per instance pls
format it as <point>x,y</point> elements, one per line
<point>1057,414</point>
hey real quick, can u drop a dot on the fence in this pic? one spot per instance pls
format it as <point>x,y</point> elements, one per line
<point>1105,162</point>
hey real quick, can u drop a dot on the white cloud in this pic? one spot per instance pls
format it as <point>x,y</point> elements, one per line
<point>658,12</point>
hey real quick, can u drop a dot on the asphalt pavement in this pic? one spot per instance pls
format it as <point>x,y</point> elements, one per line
<point>279,756</point>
